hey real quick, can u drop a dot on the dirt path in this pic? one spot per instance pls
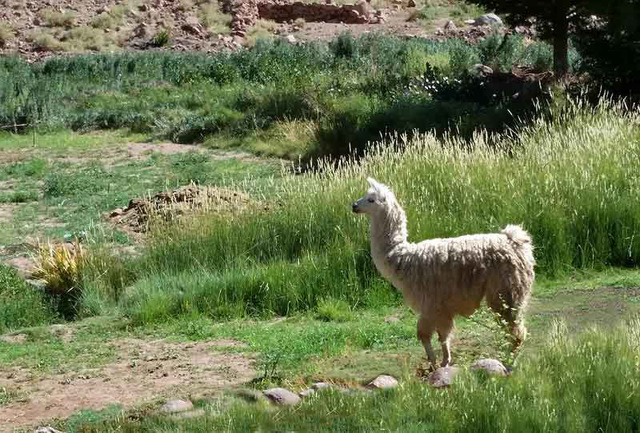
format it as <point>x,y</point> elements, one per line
<point>144,370</point>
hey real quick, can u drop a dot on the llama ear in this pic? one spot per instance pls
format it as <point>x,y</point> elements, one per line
<point>374,183</point>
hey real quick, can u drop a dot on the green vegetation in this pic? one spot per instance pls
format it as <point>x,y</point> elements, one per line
<point>291,101</point>
<point>289,273</point>
<point>572,180</point>
<point>20,304</point>
<point>586,383</point>
<point>457,11</point>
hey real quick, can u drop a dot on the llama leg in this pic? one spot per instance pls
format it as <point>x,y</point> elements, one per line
<point>444,333</point>
<point>425,332</point>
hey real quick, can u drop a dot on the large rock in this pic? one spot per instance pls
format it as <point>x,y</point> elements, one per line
<point>443,377</point>
<point>488,20</point>
<point>491,366</point>
<point>383,382</point>
<point>174,406</point>
<point>282,396</point>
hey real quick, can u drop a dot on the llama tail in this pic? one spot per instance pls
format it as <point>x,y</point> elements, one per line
<point>521,240</point>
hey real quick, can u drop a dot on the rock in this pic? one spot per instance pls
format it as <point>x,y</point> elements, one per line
<point>143,8</point>
<point>140,31</point>
<point>450,26</point>
<point>47,430</point>
<point>174,406</point>
<point>411,4</point>
<point>383,382</point>
<point>193,29</point>
<point>488,20</point>
<point>481,70</point>
<point>493,367</point>
<point>363,8</point>
<point>291,39</point>
<point>282,396</point>
<point>443,376</point>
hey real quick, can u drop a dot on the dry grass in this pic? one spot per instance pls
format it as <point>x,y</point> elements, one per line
<point>263,29</point>
<point>54,18</point>
<point>212,18</point>
<point>45,41</point>
<point>60,267</point>
<point>6,33</point>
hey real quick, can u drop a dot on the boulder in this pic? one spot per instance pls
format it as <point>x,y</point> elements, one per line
<point>488,20</point>
<point>282,396</point>
<point>493,367</point>
<point>383,382</point>
<point>443,377</point>
<point>450,26</point>
<point>174,406</point>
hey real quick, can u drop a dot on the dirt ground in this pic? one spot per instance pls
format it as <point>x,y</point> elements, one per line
<point>144,371</point>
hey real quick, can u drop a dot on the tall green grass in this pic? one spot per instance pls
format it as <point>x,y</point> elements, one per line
<point>20,304</point>
<point>350,90</point>
<point>572,180</point>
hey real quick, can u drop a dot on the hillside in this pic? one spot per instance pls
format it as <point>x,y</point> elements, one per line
<point>37,29</point>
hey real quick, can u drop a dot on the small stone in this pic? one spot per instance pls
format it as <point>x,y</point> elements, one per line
<point>450,26</point>
<point>443,376</point>
<point>291,39</point>
<point>488,20</point>
<point>493,367</point>
<point>282,396</point>
<point>47,429</point>
<point>383,382</point>
<point>174,406</point>
<point>411,4</point>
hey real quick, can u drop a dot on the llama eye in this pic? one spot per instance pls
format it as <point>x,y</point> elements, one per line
<point>371,200</point>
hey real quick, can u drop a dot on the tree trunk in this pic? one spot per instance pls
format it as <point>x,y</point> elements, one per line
<point>561,39</point>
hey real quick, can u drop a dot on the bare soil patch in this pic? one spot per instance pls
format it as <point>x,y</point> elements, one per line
<point>144,371</point>
<point>6,212</point>
<point>583,309</point>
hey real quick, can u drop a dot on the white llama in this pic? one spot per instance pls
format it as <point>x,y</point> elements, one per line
<point>441,278</point>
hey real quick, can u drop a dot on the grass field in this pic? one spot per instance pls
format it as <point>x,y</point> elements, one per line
<point>277,99</point>
<point>282,291</point>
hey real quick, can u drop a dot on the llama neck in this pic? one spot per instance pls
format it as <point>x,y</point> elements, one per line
<point>388,229</point>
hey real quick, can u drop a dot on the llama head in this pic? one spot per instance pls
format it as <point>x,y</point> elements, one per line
<point>377,198</point>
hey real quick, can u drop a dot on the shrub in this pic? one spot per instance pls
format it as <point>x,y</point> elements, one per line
<point>212,18</point>
<point>61,268</point>
<point>333,310</point>
<point>6,34</point>
<point>54,18</point>
<point>45,42</point>
<point>161,38</point>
